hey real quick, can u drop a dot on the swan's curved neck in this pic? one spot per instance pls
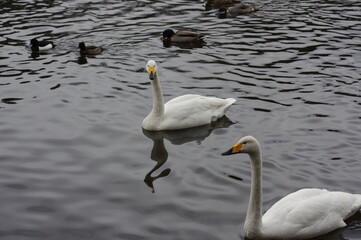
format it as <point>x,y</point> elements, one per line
<point>253,223</point>
<point>158,102</point>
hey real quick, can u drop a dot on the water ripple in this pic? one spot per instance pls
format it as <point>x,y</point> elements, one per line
<point>75,163</point>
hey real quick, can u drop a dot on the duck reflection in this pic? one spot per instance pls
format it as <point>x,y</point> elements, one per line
<point>82,60</point>
<point>184,45</point>
<point>159,153</point>
<point>34,55</point>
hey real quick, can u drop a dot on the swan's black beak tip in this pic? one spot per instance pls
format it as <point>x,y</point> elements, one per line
<point>151,76</point>
<point>229,152</point>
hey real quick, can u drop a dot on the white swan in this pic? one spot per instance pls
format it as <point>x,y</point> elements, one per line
<point>181,112</point>
<point>304,214</point>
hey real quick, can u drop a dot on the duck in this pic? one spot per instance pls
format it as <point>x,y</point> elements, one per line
<point>181,36</point>
<point>221,1</point>
<point>304,214</point>
<point>236,10</point>
<point>43,45</point>
<point>89,50</point>
<point>182,112</point>
<point>218,3</point>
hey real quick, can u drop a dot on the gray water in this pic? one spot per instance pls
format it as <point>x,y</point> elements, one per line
<point>76,164</point>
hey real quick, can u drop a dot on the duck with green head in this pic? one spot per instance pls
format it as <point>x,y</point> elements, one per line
<point>181,36</point>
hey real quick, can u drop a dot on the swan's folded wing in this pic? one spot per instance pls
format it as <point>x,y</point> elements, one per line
<point>183,98</point>
<point>193,110</point>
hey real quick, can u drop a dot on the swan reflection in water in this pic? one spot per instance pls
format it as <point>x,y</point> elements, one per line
<point>159,153</point>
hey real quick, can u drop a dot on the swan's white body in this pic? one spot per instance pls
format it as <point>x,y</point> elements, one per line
<point>192,110</point>
<point>308,213</point>
<point>184,111</point>
<point>304,214</point>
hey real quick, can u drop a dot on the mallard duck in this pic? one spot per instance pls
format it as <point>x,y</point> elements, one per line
<point>304,214</point>
<point>182,36</point>
<point>182,112</point>
<point>236,10</point>
<point>89,50</point>
<point>43,45</point>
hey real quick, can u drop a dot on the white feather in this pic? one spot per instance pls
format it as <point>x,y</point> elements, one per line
<point>308,213</point>
<point>46,47</point>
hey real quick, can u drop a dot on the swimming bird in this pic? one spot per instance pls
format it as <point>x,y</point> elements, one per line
<point>304,214</point>
<point>221,1</point>
<point>89,50</point>
<point>236,10</point>
<point>40,45</point>
<point>181,36</point>
<point>211,4</point>
<point>182,112</point>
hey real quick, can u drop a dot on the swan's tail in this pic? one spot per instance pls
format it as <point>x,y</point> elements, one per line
<point>356,206</point>
<point>229,102</point>
<point>359,200</point>
<point>220,107</point>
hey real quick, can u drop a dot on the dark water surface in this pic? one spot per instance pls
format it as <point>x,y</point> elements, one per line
<point>76,164</point>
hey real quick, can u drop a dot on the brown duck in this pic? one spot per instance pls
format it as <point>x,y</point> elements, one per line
<point>211,4</point>
<point>89,50</point>
<point>236,10</point>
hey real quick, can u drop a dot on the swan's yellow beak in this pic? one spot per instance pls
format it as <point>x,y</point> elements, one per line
<point>151,72</point>
<point>235,149</point>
